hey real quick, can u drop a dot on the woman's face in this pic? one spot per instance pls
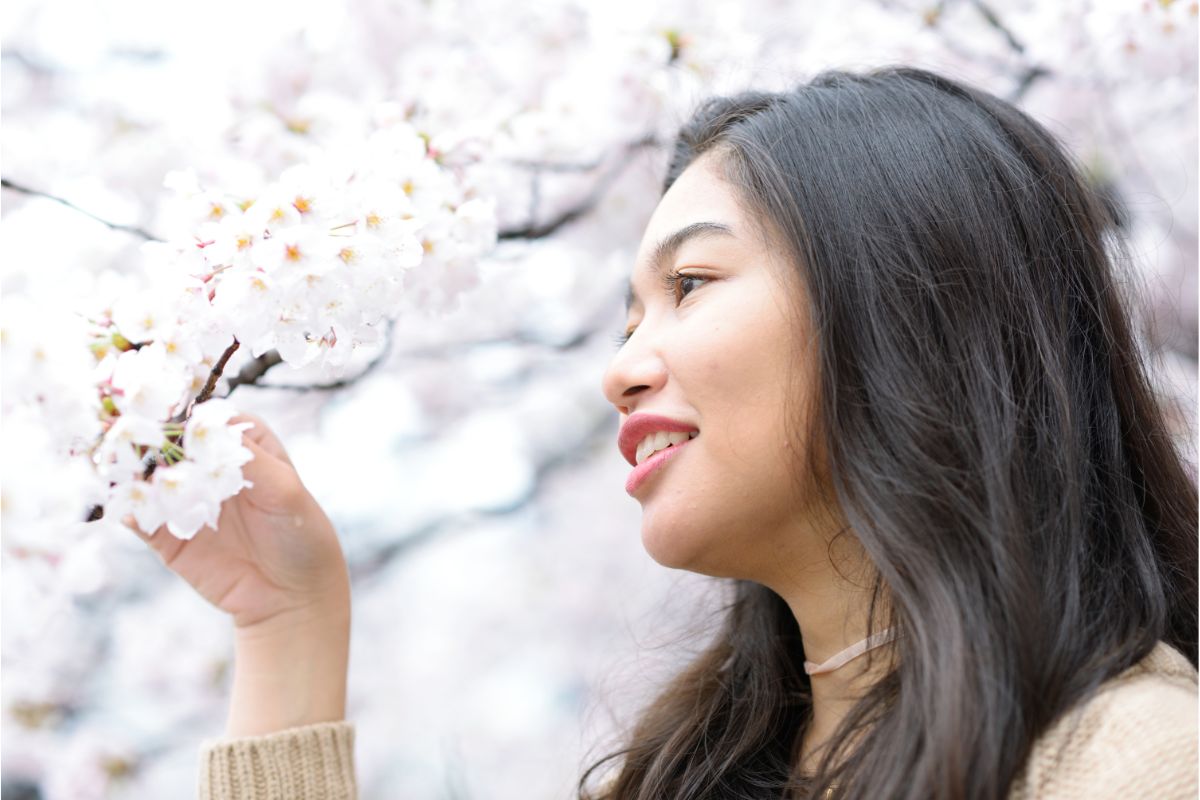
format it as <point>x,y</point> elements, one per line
<point>715,355</point>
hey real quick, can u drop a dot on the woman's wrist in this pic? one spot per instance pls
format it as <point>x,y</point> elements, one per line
<point>291,670</point>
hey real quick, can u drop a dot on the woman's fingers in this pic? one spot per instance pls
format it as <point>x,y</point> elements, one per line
<point>276,488</point>
<point>165,544</point>
<point>262,435</point>
<point>130,522</point>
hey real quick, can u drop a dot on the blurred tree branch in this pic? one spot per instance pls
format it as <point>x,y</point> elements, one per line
<point>1025,77</point>
<point>25,190</point>
<point>1031,72</point>
<point>534,230</point>
<point>570,452</point>
<point>993,20</point>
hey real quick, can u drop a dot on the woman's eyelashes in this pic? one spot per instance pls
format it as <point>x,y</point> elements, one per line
<point>674,282</point>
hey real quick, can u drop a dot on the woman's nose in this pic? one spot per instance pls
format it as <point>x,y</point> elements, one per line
<point>636,369</point>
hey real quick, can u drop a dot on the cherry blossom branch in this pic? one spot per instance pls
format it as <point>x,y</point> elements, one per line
<point>25,190</point>
<point>248,375</point>
<point>253,371</point>
<point>205,393</point>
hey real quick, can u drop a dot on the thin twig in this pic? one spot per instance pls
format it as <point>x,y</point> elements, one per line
<point>993,20</point>
<point>20,189</point>
<point>1025,81</point>
<point>23,59</point>
<point>215,375</point>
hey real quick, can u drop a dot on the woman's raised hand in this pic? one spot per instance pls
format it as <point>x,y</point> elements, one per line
<point>275,565</point>
<point>274,551</point>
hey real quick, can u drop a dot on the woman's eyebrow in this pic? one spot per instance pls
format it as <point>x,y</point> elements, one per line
<point>665,250</point>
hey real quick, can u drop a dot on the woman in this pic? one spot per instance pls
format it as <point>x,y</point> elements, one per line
<point>879,314</point>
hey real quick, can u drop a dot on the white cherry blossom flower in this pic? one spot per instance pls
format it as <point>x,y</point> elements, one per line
<point>147,382</point>
<point>185,493</point>
<point>299,248</point>
<point>273,211</point>
<point>140,499</point>
<point>209,440</point>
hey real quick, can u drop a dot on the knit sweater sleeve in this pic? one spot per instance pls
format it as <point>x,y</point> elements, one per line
<point>310,762</point>
<point>1135,739</point>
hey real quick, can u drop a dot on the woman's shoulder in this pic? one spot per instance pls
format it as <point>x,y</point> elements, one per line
<point>1136,737</point>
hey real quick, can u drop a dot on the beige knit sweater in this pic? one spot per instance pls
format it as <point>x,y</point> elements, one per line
<point>1136,738</point>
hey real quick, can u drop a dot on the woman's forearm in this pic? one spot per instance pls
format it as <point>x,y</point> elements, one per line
<point>291,671</point>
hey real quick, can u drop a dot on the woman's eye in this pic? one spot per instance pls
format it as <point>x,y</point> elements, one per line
<point>677,284</point>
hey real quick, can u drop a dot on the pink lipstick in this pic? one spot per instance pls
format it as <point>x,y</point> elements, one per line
<point>641,425</point>
<point>651,465</point>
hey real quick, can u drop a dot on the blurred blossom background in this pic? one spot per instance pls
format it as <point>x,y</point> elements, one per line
<point>507,623</point>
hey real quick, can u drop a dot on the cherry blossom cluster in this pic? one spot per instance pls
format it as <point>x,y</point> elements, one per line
<point>310,267</point>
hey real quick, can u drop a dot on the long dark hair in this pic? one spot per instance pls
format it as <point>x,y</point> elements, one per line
<point>989,430</point>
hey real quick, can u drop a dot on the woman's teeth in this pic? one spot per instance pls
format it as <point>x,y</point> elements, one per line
<point>659,441</point>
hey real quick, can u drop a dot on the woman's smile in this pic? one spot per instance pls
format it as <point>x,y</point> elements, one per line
<point>648,440</point>
<point>653,464</point>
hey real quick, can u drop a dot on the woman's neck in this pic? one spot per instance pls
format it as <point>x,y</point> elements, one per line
<point>832,614</point>
<point>833,695</point>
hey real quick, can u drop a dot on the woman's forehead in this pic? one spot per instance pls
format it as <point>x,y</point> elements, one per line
<point>700,193</point>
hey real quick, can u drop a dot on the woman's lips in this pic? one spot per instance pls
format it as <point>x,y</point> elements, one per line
<point>641,425</point>
<point>651,465</point>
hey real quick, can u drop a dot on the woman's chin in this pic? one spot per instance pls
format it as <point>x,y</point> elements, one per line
<point>670,548</point>
<point>679,549</point>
